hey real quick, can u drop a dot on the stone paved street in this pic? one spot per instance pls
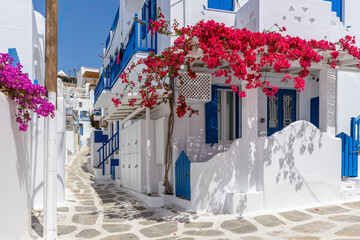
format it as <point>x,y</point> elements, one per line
<point>97,210</point>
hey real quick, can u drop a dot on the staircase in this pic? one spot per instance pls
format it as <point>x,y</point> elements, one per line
<point>107,150</point>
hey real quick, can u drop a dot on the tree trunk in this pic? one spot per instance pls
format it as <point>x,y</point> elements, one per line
<point>169,146</point>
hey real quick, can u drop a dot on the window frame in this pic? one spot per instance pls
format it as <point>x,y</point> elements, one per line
<point>223,121</point>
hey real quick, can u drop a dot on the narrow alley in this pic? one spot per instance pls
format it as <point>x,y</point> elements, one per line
<point>102,210</point>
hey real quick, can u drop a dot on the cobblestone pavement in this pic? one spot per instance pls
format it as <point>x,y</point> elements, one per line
<point>95,210</point>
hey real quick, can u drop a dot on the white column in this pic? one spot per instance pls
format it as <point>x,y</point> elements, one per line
<point>50,220</point>
<point>61,148</point>
<point>148,152</point>
<point>327,99</point>
<point>249,167</point>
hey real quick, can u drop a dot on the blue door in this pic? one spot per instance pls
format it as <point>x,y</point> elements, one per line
<point>182,177</point>
<point>314,111</point>
<point>281,110</point>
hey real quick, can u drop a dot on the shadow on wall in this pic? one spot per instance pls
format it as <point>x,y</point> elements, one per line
<point>298,166</point>
<point>199,151</point>
<point>22,154</point>
<point>287,169</point>
<point>212,180</point>
<point>302,165</point>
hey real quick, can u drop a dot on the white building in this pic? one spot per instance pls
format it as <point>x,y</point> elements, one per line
<point>79,104</point>
<point>23,36</point>
<point>258,161</point>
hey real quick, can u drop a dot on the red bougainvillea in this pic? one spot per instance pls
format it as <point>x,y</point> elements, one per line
<point>245,53</point>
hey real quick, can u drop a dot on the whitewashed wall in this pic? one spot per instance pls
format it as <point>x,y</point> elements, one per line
<point>15,175</point>
<point>308,19</point>
<point>351,18</point>
<point>348,99</point>
<point>284,171</point>
<point>16,25</point>
<point>348,85</point>
<point>302,167</point>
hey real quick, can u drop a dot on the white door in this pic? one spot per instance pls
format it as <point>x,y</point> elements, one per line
<point>126,171</point>
<point>133,172</point>
<point>133,137</point>
<point>125,142</point>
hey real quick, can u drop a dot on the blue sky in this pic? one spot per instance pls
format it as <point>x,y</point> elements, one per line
<point>83,26</point>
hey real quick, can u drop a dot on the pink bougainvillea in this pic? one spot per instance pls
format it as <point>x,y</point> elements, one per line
<point>246,54</point>
<point>18,87</point>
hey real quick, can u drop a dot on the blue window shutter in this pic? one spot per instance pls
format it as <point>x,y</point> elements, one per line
<point>314,111</point>
<point>214,4</point>
<point>227,5</point>
<point>152,9</point>
<point>211,117</point>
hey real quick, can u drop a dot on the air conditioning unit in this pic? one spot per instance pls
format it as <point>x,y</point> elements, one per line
<point>195,90</point>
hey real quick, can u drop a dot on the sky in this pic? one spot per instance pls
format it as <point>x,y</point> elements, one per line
<point>83,26</point>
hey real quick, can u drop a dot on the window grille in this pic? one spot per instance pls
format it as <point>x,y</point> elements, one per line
<point>198,89</point>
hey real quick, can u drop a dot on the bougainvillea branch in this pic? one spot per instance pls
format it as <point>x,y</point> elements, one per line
<point>18,87</point>
<point>246,54</point>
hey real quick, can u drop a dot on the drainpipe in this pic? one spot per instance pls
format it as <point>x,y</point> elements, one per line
<point>50,169</point>
<point>148,152</point>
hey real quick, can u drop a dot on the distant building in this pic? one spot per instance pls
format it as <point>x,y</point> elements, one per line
<point>79,104</point>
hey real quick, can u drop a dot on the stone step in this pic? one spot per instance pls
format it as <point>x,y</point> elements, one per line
<point>350,184</point>
<point>350,195</point>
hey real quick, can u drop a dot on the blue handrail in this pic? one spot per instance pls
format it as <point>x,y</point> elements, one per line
<point>136,41</point>
<point>107,150</point>
<point>103,84</point>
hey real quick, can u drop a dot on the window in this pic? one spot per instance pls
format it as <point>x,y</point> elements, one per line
<point>84,113</point>
<point>148,12</point>
<point>227,5</point>
<point>226,115</point>
<point>222,115</point>
<point>80,104</point>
